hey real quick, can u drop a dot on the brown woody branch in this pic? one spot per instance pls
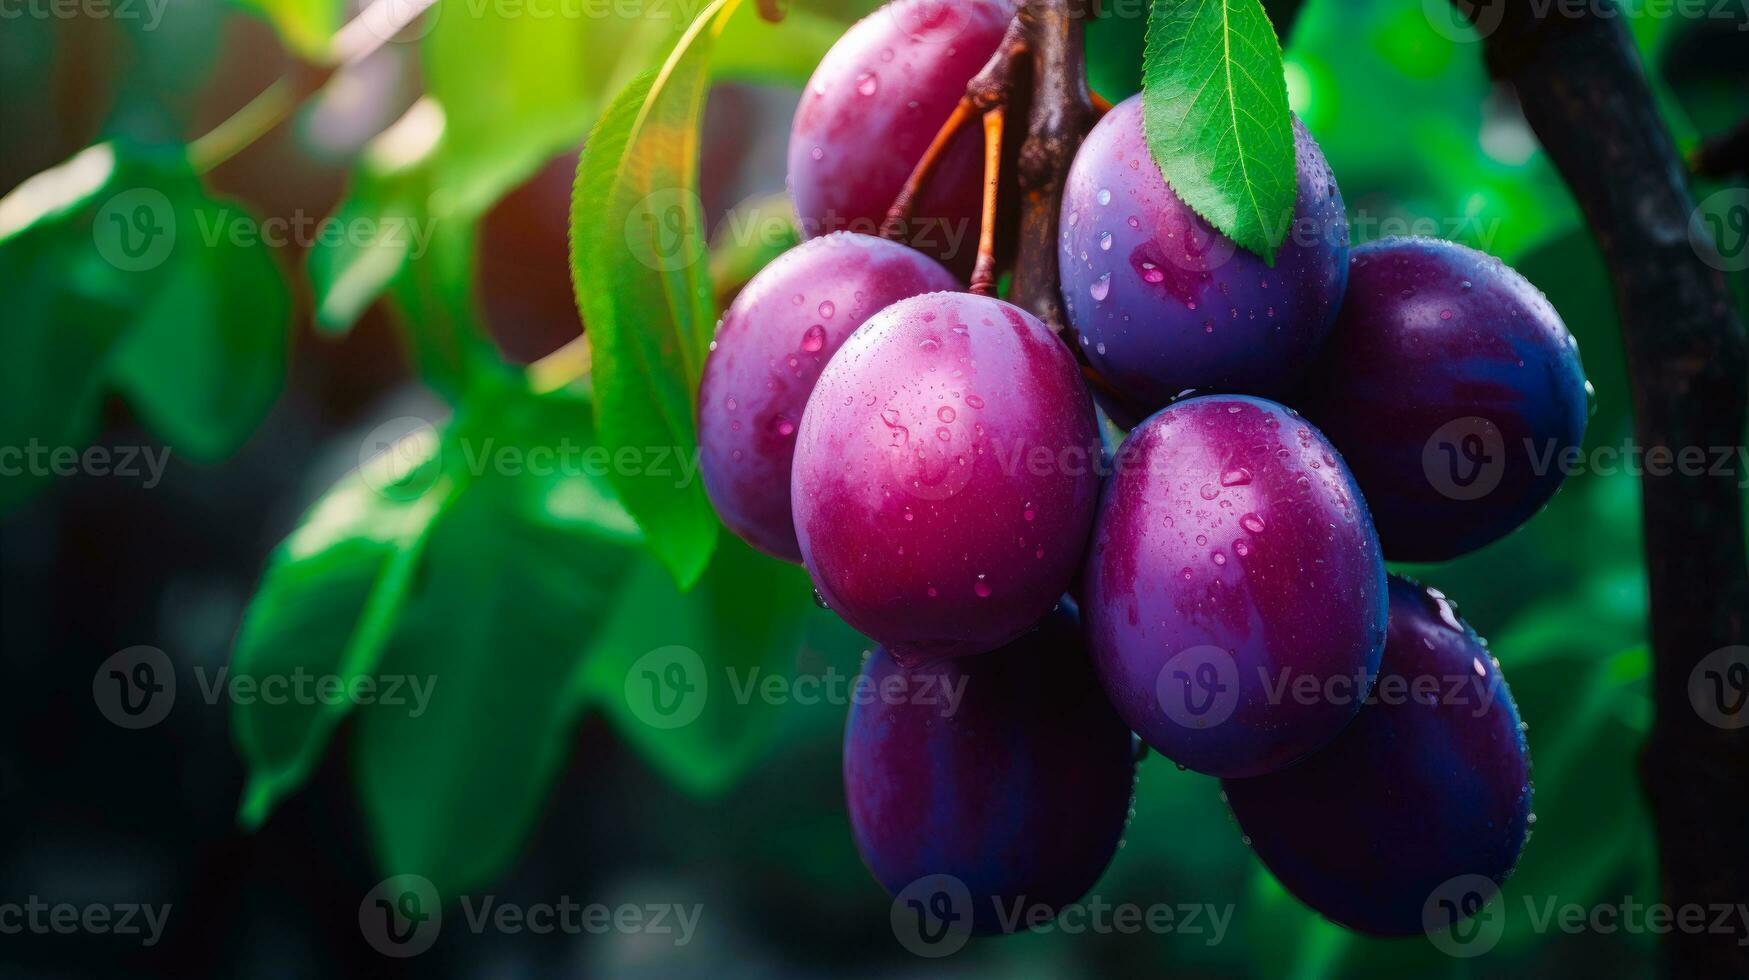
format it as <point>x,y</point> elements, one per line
<point>1585,94</point>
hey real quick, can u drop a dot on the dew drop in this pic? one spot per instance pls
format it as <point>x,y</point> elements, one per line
<point>827,309</point>
<point>817,153</point>
<point>1210,491</point>
<point>1105,241</point>
<point>974,401</point>
<point>1101,288</point>
<point>783,426</point>
<point>1104,196</point>
<point>814,339</point>
<point>982,588</point>
<point>945,413</point>
<point>866,83</point>
<point>1238,476</point>
<point>1252,523</point>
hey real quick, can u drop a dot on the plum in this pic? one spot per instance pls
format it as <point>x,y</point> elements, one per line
<point>1007,771</point>
<point>1453,389</point>
<point>1429,785</point>
<point>771,346</point>
<point>1233,561</point>
<point>874,104</point>
<point>945,475</point>
<point>1163,303</point>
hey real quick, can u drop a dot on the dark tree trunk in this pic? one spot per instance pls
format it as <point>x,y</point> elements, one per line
<point>1585,94</point>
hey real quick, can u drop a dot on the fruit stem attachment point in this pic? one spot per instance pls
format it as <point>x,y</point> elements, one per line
<point>987,90</point>
<point>984,273</point>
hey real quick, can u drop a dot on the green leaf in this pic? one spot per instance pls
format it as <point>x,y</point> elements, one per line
<point>493,633</point>
<point>1114,50</point>
<point>636,246</point>
<point>745,622</point>
<point>1214,103</point>
<point>331,596</point>
<point>121,271</point>
<point>306,26</point>
<point>203,361</point>
<point>355,580</point>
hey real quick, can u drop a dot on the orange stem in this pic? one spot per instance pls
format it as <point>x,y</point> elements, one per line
<point>984,273</point>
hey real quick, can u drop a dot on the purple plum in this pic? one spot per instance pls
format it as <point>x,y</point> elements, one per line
<point>1163,303</point>
<point>1453,389</point>
<point>769,350</point>
<point>873,106</point>
<point>1233,562</point>
<point>945,475</point>
<point>1007,771</point>
<point>1430,785</point>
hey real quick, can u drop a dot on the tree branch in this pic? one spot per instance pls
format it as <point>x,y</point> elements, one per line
<point>1060,115</point>
<point>1586,96</point>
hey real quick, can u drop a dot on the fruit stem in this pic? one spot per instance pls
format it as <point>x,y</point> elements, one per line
<point>1059,117</point>
<point>987,90</point>
<point>984,273</point>
<point>1584,92</point>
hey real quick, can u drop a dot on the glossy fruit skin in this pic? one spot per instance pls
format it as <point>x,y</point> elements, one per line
<point>1163,303</point>
<point>769,350</point>
<point>1432,336</point>
<point>1409,796</point>
<point>945,476</point>
<point>872,107</point>
<point>1022,792</point>
<point>1232,549</point>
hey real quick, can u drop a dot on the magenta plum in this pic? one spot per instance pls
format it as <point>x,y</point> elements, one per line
<point>1007,771</point>
<point>1430,784</point>
<point>872,107</point>
<point>945,475</point>
<point>1453,389</point>
<point>1164,303</point>
<point>770,348</point>
<point>1233,563</point>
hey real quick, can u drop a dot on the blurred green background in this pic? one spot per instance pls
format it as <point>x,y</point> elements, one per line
<point>534,794</point>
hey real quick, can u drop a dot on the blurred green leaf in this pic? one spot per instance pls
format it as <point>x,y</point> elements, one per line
<point>636,251</point>
<point>743,622</point>
<point>332,594</point>
<point>494,629</point>
<point>748,238</point>
<point>121,271</point>
<point>1114,47</point>
<point>378,580</point>
<point>306,26</point>
<point>1215,110</point>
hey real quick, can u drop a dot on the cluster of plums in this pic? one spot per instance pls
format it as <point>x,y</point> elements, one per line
<point>935,460</point>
